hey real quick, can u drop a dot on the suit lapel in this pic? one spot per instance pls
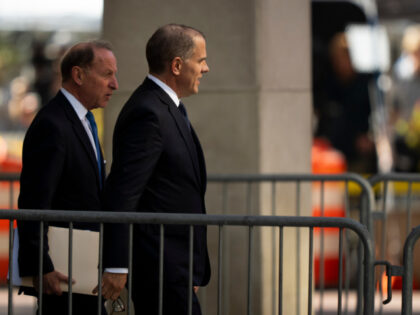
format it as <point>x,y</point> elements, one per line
<point>187,136</point>
<point>201,160</point>
<point>80,132</point>
<point>182,126</point>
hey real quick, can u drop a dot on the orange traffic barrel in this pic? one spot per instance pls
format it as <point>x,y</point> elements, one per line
<point>328,200</point>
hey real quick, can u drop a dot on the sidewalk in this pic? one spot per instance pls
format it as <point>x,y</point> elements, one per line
<point>22,304</point>
<point>330,303</point>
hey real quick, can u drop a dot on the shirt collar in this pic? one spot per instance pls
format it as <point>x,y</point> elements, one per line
<point>78,107</point>
<point>166,88</point>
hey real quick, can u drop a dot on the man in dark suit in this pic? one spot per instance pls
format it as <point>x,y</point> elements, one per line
<point>63,166</point>
<point>158,166</point>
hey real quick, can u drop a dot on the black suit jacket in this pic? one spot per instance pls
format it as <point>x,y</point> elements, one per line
<point>158,166</point>
<point>59,172</point>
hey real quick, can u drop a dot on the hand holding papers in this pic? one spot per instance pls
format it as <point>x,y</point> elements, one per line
<point>84,260</point>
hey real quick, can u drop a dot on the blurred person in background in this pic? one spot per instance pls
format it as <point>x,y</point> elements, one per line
<point>22,106</point>
<point>63,166</point>
<point>342,108</point>
<point>405,107</point>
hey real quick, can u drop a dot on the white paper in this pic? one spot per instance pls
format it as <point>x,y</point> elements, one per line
<point>84,260</point>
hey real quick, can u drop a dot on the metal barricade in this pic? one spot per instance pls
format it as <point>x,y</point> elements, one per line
<point>395,213</point>
<point>221,222</point>
<point>407,289</point>
<point>243,189</point>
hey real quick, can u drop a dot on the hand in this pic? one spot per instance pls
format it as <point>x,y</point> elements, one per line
<point>51,282</point>
<point>112,285</point>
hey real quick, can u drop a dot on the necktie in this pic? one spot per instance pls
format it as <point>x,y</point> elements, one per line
<point>182,109</point>
<point>94,130</point>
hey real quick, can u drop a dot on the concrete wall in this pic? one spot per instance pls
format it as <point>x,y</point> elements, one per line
<point>252,114</point>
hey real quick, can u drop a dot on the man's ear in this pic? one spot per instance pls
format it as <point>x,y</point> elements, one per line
<point>77,75</point>
<point>176,65</point>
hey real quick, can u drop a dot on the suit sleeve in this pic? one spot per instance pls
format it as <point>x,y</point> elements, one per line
<point>43,158</point>
<point>137,148</point>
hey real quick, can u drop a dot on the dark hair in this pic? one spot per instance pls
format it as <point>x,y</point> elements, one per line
<point>82,55</point>
<point>168,42</point>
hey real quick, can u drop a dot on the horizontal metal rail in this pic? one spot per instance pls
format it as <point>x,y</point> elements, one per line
<point>345,177</point>
<point>9,177</point>
<point>395,177</point>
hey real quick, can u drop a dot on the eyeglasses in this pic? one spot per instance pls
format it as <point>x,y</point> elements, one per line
<point>118,306</point>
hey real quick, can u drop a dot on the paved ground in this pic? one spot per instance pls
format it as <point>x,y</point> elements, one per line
<point>393,308</point>
<point>22,305</point>
<point>25,305</point>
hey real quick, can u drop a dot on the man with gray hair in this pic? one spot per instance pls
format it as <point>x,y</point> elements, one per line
<point>63,165</point>
<point>158,166</point>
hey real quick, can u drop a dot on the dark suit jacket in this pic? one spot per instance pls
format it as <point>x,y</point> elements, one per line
<point>59,172</point>
<point>158,166</point>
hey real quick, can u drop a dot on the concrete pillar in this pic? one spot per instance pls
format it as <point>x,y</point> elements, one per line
<point>252,114</point>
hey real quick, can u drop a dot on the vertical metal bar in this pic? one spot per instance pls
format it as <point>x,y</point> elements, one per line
<point>248,197</point>
<point>347,267</point>
<point>281,271</point>
<point>190,282</point>
<point>130,268</point>
<point>368,276</point>
<point>340,270</point>
<point>250,266</point>
<point>274,248</point>
<point>360,279</point>
<point>410,187</point>
<point>11,238</point>
<point>273,198</point>
<point>321,256</point>
<point>311,266</point>
<point>219,272</point>
<point>101,244</point>
<point>161,257</point>
<point>226,247</point>
<point>407,288</point>
<point>70,269</point>
<point>11,241</point>
<point>298,212</point>
<point>10,291</point>
<point>11,195</point>
<point>384,238</point>
<point>346,250</point>
<point>224,197</point>
<point>40,269</point>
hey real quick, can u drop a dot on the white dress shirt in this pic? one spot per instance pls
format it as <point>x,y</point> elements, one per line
<point>81,112</point>
<point>166,88</point>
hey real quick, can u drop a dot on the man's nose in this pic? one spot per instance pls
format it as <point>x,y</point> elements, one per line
<point>114,84</point>
<point>205,68</point>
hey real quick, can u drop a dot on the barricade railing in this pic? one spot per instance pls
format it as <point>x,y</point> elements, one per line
<point>221,222</point>
<point>397,197</point>
<point>367,197</point>
<point>407,273</point>
<point>362,207</point>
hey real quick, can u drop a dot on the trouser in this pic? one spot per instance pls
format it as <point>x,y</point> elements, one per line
<point>174,302</point>
<point>58,305</point>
